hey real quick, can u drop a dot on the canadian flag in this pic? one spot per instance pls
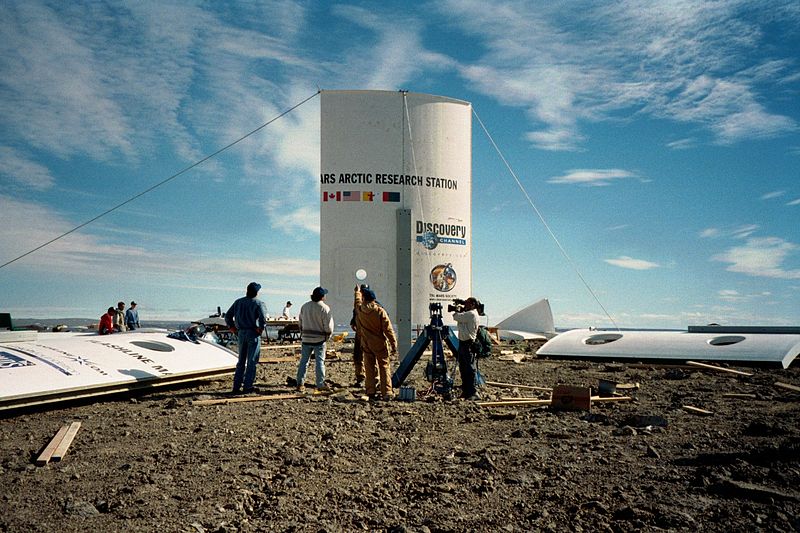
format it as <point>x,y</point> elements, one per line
<point>335,196</point>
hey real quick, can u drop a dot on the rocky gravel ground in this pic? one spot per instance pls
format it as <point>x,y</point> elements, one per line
<point>161,461</point>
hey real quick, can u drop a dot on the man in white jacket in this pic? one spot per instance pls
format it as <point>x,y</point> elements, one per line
<point>316,325</point>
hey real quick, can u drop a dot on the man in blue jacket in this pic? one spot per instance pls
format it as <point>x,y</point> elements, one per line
<point>246,318</point>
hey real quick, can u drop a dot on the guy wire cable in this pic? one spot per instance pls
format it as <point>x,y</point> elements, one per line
<point>162,182</point>
<point>544,222</point>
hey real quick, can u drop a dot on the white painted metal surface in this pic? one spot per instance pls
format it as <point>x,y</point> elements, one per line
<point>384,151</point>
<point>777,349</point>
<point>533,322</point>
<point>64,365</point>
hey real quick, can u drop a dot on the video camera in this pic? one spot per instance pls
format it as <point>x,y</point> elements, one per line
<point>458,306</point>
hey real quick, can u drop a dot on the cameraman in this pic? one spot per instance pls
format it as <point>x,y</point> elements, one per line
<point>467,321</point>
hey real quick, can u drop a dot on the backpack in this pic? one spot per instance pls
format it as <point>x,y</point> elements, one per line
<point>483,344</point>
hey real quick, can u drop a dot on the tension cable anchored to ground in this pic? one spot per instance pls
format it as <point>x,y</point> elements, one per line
<point>162,182</point>
<point>544,222</point>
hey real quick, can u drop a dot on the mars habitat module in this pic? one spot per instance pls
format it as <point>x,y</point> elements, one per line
<point>395,206</point>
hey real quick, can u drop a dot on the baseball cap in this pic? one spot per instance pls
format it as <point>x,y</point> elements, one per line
<point>319,292</point>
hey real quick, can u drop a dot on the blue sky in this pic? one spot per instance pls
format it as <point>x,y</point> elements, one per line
<point>659,140</point>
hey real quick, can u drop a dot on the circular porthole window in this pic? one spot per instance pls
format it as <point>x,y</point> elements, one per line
<point>602,338</point>
<point>726,340</point>
<point>154,345</point>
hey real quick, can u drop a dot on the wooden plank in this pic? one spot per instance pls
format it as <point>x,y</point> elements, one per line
<point>534,402</point>
<point>47,453</point>
<point>63,446</point>
<point>787,386</point>
<point>611,399</point>
<point>513,386</point>
<point>697,410</point>
<point>77,393</point>
<point>656,366</point>
<point>250,399</point>
<point>741,396</point>
<point>628,386</point>
<point>286,359</point>
<point>718,368</point>
<point>515,402</point>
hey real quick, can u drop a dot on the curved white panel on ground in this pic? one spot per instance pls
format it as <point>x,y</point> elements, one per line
<point>535,320</point>
<point>512,335</point>
<point>674,345</point>
<point>69,365</point>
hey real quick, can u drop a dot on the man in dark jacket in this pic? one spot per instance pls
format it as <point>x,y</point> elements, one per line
<point>246,318</point>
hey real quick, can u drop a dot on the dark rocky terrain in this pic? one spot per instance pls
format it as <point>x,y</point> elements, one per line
<point>161,462</point>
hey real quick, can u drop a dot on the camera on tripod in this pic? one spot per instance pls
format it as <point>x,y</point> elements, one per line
<point>459,306</point>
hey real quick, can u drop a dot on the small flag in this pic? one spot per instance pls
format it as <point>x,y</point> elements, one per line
<point>336,196</point>
<point>391,196</point>
<point>351,196</point>
<point>367,196</point>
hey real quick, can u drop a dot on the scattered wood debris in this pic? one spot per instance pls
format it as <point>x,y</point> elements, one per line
<point>250,399</point>
<point>58,446</point>
<point>718,368</point>
<point>524,402</point>
<point>515,386</point>
<point>787,386</point>
<point>275,360</point>
<point>697,410</point>
<point>739,395</point>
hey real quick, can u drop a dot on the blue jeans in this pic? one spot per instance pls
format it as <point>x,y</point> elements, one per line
<point>319,357</point>
<point>249,352</point>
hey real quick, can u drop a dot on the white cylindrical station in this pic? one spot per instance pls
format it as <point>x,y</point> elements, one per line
<point>395,206</point>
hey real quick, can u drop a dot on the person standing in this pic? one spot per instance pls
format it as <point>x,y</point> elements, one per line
<point>316,325</point>
<point>374,329</point>
<point>106,324</point>
<point>132,317</point>
<point>358,355</point>
<point>246,319</point>
<point>467,323</point>
<point>119,319</point>
<point>287,310</point>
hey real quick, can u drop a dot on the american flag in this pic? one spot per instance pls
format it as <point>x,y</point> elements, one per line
<point>351,196</point>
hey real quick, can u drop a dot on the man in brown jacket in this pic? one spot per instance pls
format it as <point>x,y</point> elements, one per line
<point>374,329</point>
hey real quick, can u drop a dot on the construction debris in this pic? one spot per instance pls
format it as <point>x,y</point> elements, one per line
<point>514,386</point>
<point>786,386</point>
<point>524,402</point>
<point>718,368</point>
<point>697,410</point>
<point>250,399</point>
<point>58,446</point>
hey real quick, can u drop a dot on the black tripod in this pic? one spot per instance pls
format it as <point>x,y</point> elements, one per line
<point>437,334</point>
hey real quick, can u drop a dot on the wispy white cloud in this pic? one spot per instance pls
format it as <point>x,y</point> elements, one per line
<point>683,61</point>
<point>761,257</point>
<point>773,194</point>
<point>736,232</point>
<point>27,224</point>
<point>593,177</point>
<point>794,202</point>
<point>730,295</point>
<point>744,231</point>
<point>16,166</point>
<point>631,263</point>
<point>682,144</point>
